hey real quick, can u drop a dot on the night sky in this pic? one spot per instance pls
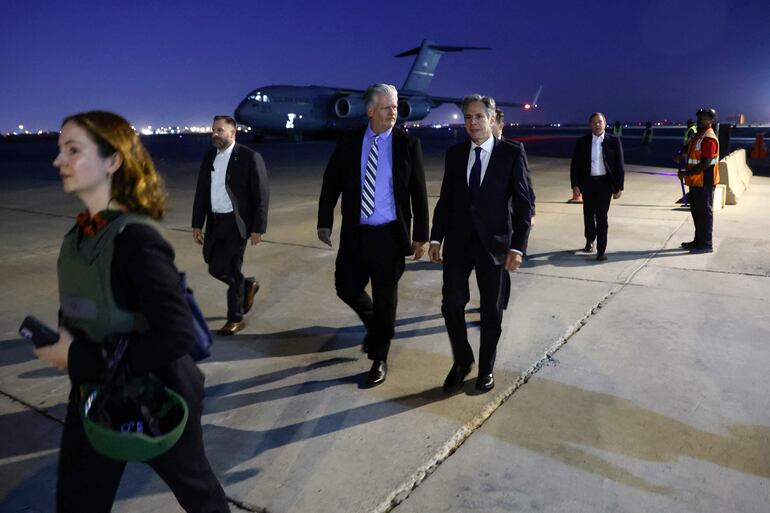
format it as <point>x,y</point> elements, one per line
<point>178,63</point>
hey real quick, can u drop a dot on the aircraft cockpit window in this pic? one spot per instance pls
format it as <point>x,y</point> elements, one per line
<point>259,97</point>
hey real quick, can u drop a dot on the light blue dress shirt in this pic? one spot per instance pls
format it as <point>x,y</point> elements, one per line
<point>384,202</point>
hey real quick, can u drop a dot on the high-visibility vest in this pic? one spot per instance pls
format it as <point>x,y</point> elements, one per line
<point>689,134</point>
<point>694,157</point>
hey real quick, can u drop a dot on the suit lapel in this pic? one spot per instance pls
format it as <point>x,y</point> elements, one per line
<point>607,148</point>
<point>210,156</point>
<point>461,171</point>
<point>355,167</point>
<point>232,162</point>
<point>397,167</point>
<point>589,149</point>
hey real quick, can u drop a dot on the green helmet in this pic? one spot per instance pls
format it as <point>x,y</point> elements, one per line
<point>138,421</point>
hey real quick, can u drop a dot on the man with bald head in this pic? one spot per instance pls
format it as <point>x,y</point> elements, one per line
<point>597,172</point>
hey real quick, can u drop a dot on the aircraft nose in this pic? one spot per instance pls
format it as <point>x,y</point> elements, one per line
<point>241,111</point>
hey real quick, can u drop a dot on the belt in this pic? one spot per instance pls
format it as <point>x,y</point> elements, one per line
<point>218,215</point>
<point>600,177</point>
<point>374,227</point>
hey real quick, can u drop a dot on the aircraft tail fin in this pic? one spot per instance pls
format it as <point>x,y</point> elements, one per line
<point>537,95</point>
<point>423,69</point>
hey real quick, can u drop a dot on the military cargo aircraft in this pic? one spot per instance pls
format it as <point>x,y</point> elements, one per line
<point>320,110</point>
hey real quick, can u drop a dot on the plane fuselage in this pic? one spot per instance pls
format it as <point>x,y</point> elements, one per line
<point>286,109</point>
<point>280,109</point>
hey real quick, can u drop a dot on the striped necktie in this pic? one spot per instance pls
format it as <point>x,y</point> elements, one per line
<point>370,180</point>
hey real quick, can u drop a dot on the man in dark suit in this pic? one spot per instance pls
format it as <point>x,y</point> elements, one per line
<point>231,198</point>
<point>482,218</point>
<point>597,172</point>
<point>498,124</point>
<point>378,170</point>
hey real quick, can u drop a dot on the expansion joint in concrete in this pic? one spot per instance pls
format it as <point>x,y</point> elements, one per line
<point>31,407</point>
<point>464,432</point>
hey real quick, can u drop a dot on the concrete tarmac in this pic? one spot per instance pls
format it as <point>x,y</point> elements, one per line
<point>634,385</point>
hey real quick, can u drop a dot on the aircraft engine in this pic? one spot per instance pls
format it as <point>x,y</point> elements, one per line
<point>346,107</point>
<point>412,110</point>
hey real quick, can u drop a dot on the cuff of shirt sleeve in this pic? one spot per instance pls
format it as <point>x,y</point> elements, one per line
<point>435,242</point>
<point>516,251</point>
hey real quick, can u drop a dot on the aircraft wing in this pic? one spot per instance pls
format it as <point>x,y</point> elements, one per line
<point>344,91</point>
<point>459,101</point>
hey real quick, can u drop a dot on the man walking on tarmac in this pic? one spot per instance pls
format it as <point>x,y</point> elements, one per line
<point>231,198</point>
<point>597,171</point>
<point>498,123</point>
<point>701,174</point>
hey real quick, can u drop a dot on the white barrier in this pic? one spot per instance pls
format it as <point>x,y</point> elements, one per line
<point>719,196</point>
<point>735,174</point>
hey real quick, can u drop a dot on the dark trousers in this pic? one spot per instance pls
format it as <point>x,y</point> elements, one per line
<point>226,259</point>
<point>702,210</point>
<point>492,281</point>
<point>374,256</point>
<point>597,195</point>
<point>88,481</point>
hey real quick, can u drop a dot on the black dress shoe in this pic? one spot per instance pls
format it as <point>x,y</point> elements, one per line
<point>601,257</point>
<point>377,373</point>
<point>456,378</point>
<point>485,382</point>
<point>701,249</point>
<point>689,245</point>
<point>589,247</point>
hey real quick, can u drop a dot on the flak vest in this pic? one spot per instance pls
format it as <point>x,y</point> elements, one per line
<point>694,157</point>
<point>86,298</point>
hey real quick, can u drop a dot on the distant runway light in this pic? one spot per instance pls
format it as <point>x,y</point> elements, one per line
<point>21,127</point>
<point>527,106</point>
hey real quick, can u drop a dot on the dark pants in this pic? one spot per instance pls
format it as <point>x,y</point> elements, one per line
<point>702,210</point>
<point>597,195</point>
<point>374,256</point>
<point>492,282</point>
<point>226,259</point>
<point>88,481</point>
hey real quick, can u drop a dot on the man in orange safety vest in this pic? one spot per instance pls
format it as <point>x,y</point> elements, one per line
<point>701,174</point>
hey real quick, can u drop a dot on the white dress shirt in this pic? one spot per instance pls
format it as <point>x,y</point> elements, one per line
<point>220,201</point>
<point>597,159</point>
<point>486,152</point>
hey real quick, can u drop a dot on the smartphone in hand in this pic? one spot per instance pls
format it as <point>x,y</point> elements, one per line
<point>35,330</point>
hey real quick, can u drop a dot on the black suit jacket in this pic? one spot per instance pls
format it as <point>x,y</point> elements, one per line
<point>343,177</point>
<point>612,152</point>
<point>501,214</point>
<point>247,186</point>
